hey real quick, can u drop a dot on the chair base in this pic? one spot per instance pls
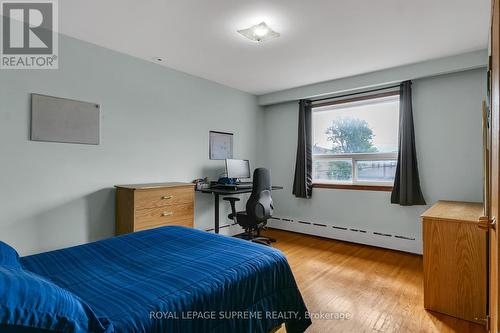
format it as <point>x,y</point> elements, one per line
<point>256,238</point>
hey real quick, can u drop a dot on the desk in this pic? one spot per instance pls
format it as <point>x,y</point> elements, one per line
<point>225,191</point>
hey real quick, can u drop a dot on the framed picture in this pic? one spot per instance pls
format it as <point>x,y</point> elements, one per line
<point>221,145</point>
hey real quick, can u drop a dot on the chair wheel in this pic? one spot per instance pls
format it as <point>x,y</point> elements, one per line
<point>261,242</point>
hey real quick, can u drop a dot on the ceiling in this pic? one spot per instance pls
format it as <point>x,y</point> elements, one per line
<point>320,39</point>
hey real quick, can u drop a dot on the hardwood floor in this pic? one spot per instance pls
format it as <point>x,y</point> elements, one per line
<point>381,289</point>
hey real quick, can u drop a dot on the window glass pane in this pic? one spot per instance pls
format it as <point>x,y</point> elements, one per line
<point>376,171</point>
<point>334,171</point>
<point>368,126</point>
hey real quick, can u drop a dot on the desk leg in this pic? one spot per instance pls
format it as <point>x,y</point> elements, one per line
<point>216,208</point>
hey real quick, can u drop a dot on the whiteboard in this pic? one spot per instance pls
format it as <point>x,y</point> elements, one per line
<point>221,145</point>
<point>55,119</point>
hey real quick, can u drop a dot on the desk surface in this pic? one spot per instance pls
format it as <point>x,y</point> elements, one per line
<point>225,191</point>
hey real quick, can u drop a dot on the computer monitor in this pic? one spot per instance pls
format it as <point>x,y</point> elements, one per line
<point>238,169</point>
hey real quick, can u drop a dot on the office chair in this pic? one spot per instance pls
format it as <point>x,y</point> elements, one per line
<point>259,208</point>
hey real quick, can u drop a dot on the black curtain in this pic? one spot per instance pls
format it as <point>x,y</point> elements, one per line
<point>302,183</point>
<point>406,191</point>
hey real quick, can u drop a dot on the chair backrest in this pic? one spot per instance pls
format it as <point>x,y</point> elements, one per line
<point>260,204</point>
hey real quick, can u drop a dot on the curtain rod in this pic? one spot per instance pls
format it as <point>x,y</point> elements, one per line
<point>356,93</point>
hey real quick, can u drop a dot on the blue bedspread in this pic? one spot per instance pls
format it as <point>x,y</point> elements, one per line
<point>176,279</point>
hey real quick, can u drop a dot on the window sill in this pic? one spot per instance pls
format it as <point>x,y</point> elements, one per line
<point>359,187</point>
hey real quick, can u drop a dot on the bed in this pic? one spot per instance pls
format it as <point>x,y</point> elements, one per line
<point>169,279</point>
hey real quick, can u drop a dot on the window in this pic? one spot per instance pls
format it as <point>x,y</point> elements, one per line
<point>355,141</point>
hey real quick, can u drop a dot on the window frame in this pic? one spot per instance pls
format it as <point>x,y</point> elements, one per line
<point>354,184</point>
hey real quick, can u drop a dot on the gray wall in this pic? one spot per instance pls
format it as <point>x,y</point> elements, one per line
<point>155,124</point>
<point>388,76</point>
<point>447,115</point>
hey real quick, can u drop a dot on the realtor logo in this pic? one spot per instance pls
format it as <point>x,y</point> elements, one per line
<point>29,35</point>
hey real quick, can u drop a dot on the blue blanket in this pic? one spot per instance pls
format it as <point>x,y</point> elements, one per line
<point>175,279</point>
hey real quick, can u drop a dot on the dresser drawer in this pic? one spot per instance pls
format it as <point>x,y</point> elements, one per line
<point>167,215</point>
<point>183,223</point>
<point>161,197</point>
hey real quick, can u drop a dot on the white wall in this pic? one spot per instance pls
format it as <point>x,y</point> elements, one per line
<point>155,124</point>
<point>447,115</point>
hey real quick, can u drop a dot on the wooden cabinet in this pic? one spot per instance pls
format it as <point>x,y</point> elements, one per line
<point>146,206</point>
<point>455,260</point>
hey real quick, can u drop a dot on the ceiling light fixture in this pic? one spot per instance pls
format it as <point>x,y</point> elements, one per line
<point>259,32</point>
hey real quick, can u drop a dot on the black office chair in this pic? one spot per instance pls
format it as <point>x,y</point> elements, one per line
<point>258,210</point>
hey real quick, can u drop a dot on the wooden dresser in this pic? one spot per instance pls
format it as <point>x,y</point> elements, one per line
<point>455,260</point>
<point>146,206</point>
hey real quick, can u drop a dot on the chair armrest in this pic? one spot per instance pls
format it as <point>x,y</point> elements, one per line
<point>232,202</point>
<point>233,199</point>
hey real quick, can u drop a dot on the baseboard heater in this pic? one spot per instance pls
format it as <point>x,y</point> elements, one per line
<point>396,241</point>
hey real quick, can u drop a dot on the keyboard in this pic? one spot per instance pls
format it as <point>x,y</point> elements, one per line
<point>244,185</point>
<point>222,185</point>
<point>233,186</point>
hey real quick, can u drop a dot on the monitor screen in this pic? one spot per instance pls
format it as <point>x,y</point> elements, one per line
<point>238,169</point>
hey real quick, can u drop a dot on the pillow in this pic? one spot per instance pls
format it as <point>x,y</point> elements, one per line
<point>8,256</point>
<point>28,300</point>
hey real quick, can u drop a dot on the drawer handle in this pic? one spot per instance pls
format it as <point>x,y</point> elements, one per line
<point>167,197</point>
<point>167,214</point>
